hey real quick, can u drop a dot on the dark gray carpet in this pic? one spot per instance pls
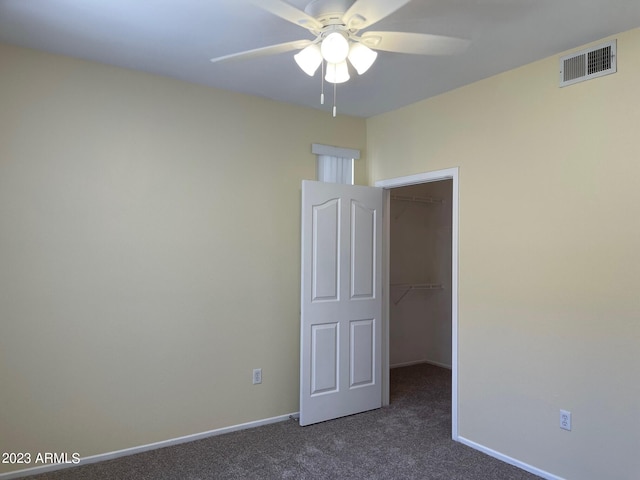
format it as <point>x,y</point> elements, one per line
<point>410,439</point>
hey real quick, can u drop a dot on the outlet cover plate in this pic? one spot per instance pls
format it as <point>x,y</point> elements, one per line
<point>565,420</point>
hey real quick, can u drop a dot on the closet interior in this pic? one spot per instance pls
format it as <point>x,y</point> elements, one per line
<point>420,274</point>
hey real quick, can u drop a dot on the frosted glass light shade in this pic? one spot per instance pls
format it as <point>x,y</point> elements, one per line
<point>337,72</point>
<point>309,59</point>
<point>335,48</point>
<point>361,57</point>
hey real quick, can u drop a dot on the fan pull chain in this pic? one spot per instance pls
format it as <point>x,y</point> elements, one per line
<point>334,99</point>
<point>322,85</point>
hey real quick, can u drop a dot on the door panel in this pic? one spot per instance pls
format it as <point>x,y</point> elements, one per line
<point>341,301</point>
<point>326,250</point>
<point>324,358</point>
<point>361,352</point>
<point>363,226</point>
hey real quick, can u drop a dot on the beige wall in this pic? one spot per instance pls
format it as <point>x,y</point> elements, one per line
<point>149,254</point>
<point>549,309</point>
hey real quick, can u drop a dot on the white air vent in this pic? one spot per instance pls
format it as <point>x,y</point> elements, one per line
<point>591,63</point>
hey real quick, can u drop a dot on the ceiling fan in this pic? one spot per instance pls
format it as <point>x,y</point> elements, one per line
<point>336,26</point>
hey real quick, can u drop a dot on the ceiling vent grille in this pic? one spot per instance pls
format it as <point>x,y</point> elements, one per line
<point>586,64</point>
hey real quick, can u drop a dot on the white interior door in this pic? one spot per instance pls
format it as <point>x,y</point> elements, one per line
<point>341,301</point>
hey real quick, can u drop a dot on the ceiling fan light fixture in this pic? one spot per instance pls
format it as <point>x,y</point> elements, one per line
<point>335,47</point>
<point>337,72</point>
<point>309,59</point>
<point>361,57</point>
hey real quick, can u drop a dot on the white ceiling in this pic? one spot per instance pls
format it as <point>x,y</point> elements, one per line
<point>176,38</point>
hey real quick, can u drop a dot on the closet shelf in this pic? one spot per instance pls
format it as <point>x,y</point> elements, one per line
<point>408,287</point>
<point>413,198</point>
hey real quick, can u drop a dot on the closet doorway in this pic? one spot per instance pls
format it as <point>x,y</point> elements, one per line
<point>420,279</point>
<point>420,274</point>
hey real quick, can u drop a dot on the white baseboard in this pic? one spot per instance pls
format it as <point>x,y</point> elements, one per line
<point>145,448</point>
<point>509,460</point>
<point>419,362</point>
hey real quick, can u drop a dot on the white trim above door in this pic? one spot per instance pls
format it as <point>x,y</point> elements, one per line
<point>446,174</point>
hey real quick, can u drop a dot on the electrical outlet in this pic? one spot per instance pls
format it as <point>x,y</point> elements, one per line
<point>565,420</point>
<point>257,376</point>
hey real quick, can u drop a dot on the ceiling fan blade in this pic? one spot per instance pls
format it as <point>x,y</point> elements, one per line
<point>289,13</point>
<point>416,43</point>
<point>364,13</point>
<point>262,51</point>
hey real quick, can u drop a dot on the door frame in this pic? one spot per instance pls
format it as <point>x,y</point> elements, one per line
<point>387,185</point>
